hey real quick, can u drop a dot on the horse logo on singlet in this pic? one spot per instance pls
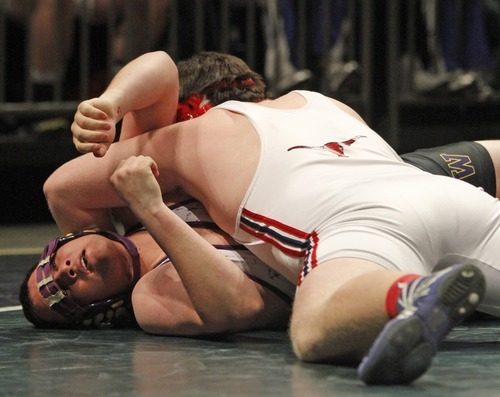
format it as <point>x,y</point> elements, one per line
<point>335,147</point>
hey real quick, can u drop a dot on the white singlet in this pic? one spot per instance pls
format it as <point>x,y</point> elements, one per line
<point>194,214</point>
<point>327,186</point>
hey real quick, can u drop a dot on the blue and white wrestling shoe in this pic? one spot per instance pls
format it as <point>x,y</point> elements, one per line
<point>431,306</point>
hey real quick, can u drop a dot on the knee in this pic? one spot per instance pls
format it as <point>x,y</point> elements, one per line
<point>308,342</point>
<point>313,341</point>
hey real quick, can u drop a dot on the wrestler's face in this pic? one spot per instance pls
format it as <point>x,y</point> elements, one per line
<point>89,268</point>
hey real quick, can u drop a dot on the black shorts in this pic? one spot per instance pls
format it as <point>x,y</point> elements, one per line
<point>468,161</point>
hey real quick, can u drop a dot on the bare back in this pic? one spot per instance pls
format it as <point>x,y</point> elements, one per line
<point>222,184</point>
<point>231,139</point>
<point>184,153</point>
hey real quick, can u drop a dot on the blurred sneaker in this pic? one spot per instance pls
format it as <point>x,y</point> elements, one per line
<point>292,79</point>
<point>461,81</point>
<point>343,77</point>
<point>427,83</point>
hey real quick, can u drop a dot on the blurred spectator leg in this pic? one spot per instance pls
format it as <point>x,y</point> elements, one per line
<point>46,66</point>
<point>279,70</point>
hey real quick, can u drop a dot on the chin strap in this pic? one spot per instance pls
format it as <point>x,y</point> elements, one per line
<point>114,311</point>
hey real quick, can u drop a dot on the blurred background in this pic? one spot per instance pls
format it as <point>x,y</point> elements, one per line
<point>420,72</point>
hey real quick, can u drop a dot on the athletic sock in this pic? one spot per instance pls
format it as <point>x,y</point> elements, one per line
<point>393,304</point>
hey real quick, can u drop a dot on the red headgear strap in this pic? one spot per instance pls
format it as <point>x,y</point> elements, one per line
<point>192,107</point>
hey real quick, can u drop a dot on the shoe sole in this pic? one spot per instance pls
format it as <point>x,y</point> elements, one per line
<point>405,347</point>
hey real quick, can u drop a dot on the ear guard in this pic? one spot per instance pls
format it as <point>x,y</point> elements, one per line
<point>197,104</point>
<point>192,107</point>
<point>114,311</point>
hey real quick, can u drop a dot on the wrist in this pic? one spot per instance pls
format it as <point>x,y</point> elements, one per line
<point>148,212</point>
<point>116,104</point>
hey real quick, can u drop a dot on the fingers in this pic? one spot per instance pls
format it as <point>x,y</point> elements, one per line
<point>139,164</point>
<point>136,166</point>
<point>93,124</point>
<point>98,149</point>
<point>134,181</point>
<point>154,168</point>
<point>95,108</point>
<point>84,133</point>
<point>84,127</point>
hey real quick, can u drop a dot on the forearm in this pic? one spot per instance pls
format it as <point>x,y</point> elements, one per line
<point>79,193</point>
<point>223,296</point>
<point>146,90</point>
<point>88,219</point>
<point>144,94</point>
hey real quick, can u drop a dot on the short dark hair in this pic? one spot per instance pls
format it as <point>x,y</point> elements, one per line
<point>202,72</point>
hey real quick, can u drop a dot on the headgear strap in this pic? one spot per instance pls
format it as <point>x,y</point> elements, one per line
<point>57,299</point>
<point>224,84</point>
<point>192,107</point>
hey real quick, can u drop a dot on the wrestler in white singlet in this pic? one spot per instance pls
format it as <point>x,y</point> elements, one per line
<point>327,186</point>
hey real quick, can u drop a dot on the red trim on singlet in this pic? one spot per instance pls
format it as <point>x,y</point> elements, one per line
<point>268,239</point>
<point>272,222</point>
<point>311,259</point>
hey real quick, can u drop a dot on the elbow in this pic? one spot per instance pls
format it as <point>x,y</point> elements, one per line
<point>60,202</point>
<point>164,63</point>
<point>159,65</point>
<point>56,191</point>
<point>51,190</point>
<point>165,59</point>
<point>246,315</point>
<point>153,328</point>
<point>170,74</point>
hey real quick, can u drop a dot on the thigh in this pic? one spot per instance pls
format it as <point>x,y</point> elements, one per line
<point>340,308</point>
<point>470,162</point>
<point>348,282</point>
<point>328,277</point>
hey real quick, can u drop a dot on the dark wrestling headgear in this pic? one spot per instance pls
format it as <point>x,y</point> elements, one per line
<point>114,311</point>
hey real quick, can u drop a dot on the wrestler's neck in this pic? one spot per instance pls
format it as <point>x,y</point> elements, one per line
<point>150,254</point>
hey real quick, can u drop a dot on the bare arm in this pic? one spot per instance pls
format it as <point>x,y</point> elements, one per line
<point>79,192</point>
<point>224,298</point>
<point>163,306</point>
<point>144,93</point>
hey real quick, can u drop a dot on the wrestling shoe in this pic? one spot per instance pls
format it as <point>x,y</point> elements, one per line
<point>431,306</point>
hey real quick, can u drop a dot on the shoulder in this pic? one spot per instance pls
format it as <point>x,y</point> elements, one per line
<point>312,96</point>
<point>161,304</point>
